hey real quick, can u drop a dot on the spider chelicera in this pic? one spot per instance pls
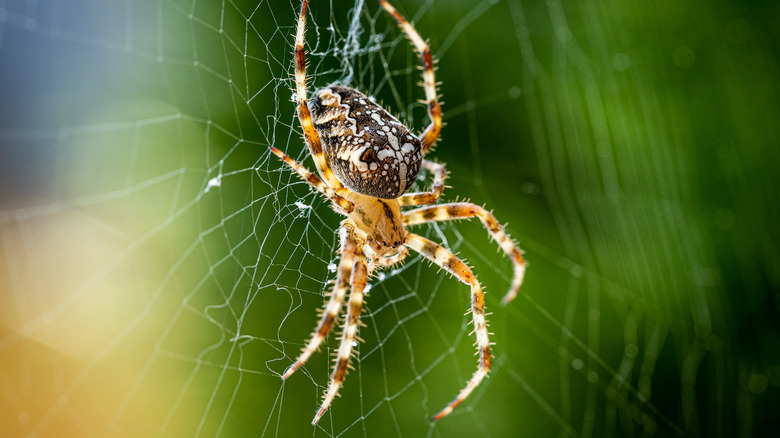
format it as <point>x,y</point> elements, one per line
<point>366,160</point>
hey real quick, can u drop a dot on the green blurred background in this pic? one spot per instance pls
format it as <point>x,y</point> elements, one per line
<point>159,269</point>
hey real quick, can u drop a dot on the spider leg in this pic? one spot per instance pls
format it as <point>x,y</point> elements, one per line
<point>359,275</point>
<point>431,133</point>
<point>388,261</point>
<point>315,181</point>
<point>423,198</point>
<point>332,309</point>
<point>304,115</point>
<point>466,210</point>
<point>447,260</point>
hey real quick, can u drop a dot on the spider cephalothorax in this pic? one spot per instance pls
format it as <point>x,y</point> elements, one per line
<point>367,160</point>
<point>369,150</point>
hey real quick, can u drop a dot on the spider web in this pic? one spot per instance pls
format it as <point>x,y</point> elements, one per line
<point>160,270</point>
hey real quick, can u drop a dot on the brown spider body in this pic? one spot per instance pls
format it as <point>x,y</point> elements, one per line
<point>381,221</point>
<point>366,161</point>
<point>369,150</point>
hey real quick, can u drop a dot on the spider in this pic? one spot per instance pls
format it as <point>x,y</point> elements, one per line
<point>366,161</point>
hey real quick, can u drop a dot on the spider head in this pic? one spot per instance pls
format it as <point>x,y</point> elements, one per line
<point>381,220</point>
<point>383,247</point>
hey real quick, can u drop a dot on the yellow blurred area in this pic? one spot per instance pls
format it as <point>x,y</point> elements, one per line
<point>64,325</point>
<point>84,278</point>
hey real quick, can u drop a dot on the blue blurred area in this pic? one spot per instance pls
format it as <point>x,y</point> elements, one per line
<point>58,64</point>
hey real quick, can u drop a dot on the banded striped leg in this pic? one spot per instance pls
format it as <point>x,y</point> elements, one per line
<point>447,260</point>
<point>332,309</point>
<point>304,115</point>
<point>431,133</point>
<point>359,275</point>
<point>423,198</point>
<point>467,210</point>
<point>315,181</point>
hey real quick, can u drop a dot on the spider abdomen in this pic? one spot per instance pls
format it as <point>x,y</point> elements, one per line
<point>369,150</point>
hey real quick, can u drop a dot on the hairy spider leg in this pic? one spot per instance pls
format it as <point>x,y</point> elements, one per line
<point>452,264</point>
<point>359,275</point>
<point>333,307</point>
<point>424,198</point>
<point>388,261</point>
<point>431,133</point>
<point>304,115</point>
<point>467,210</point>
<point>315,182</point>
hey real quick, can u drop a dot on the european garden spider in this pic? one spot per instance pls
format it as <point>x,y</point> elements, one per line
<point>366,160</point>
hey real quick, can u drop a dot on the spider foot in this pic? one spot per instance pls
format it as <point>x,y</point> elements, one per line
<point>333,391</point>
<point>517,280</point>
<point>290,370</point>
<point>470,386</point>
